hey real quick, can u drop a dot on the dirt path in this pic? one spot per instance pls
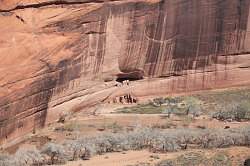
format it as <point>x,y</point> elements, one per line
<point>122,159</point>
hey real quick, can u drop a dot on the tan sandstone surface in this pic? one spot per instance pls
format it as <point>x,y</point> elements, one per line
<point>65,55</point>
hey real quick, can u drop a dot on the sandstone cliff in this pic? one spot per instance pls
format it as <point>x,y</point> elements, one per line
<point>62,55</point>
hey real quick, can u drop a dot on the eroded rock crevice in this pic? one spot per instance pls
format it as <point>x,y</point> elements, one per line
<point>51,3</point>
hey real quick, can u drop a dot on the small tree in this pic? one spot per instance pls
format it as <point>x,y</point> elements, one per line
<point>167,111</point>
<point>78,149</point>
<point>194,110</point>
<point>159,101</point>
<point>193,106</point>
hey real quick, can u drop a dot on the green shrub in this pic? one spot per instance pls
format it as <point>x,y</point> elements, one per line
<point>220,159</point>
<point>193,106</point>
<point>159,101</point>
<point>172,100</point>
<point>168,111</point>
<point>187,159</point>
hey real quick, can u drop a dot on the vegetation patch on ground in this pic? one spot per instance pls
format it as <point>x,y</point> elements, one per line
<point>195,159</point>
<point>170,105</point>
<point>229,105</point>
<point>155,140</point>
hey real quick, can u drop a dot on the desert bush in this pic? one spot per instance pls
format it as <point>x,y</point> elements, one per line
<point>156,140</point>
<point>75,148</point>
<point>7,160</point>
<point>139,139</point>
<point>197,158</point>
<point>56,152</point>
<point>26,157</point>
<point>222,138</point>
<point>234,111</point>
<point>86,147</point>
<point>81,148</point>
<point>164,144</point>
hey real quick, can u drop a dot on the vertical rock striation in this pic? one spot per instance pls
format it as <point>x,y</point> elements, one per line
<point>56,55</point>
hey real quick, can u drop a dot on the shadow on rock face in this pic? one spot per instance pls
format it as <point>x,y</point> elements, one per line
<point>247,162</point>
<point>131,76</point>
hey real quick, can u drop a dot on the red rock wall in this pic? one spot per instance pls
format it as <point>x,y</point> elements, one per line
<point>56,55</point>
